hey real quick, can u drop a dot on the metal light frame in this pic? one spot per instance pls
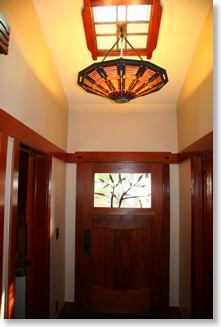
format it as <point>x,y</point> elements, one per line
<point>122,80</point>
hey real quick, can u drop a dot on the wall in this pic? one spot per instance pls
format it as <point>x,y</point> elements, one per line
<point>30,88</point>
<point>195,103</point>
<point>194,120</point>
<point>123,128</point>
<point>174,235</point>
<point>57,245</point>
<point>70,232</point>
<point>31,92</point>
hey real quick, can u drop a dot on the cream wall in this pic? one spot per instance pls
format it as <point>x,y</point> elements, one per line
<point>70,232</point>
<point>57,246</point>
<point>195,119</point>
<point>31,92</point>
<point>123,128</point>
<point>195,103</point>
<point>30,88</point>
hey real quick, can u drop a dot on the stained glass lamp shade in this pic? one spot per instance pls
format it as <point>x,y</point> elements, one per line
<point>122,80</point>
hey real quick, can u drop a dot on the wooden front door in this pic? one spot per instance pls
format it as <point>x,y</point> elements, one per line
<point>122,263</point>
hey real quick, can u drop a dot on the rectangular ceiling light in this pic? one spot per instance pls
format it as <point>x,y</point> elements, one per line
<point>103,22</point>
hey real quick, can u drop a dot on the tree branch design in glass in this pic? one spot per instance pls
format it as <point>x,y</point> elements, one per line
<point>122,190</point>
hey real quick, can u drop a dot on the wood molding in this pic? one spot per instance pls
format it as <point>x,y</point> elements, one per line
<point>202,227</point>
<point>163,157</point>
<point>197,235</point>
<point>14,128</point>
<point>10,302</point>
<point>202,145</point>
<point>166,236</point>
<point>3,157</point>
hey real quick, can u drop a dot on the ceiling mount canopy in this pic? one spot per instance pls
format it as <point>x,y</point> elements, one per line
<point>122,80</point>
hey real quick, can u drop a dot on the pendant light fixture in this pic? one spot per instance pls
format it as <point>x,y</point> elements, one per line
<point>122,80</point>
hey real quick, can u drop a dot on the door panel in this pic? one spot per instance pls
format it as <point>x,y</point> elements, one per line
<point>121,266</point>
<point>120,277</point>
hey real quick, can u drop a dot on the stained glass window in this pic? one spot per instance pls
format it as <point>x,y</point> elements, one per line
<point>122,190</point>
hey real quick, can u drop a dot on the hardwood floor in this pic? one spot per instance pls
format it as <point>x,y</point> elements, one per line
<point>70,311</point>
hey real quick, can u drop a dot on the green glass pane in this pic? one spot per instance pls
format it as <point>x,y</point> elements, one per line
<point>122,190</point>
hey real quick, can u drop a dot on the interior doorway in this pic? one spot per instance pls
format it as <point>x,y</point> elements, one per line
<point>32,236</point>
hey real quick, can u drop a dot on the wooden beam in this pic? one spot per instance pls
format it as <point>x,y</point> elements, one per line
<point>164,157</point>
<point>154,28</point>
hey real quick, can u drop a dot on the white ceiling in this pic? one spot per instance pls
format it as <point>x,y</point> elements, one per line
<point>181,25</point>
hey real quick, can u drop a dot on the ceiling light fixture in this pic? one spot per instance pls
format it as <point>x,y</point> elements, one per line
<point>122,80</point>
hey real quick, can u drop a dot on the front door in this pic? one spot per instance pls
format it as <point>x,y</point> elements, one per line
<point>122,263</point>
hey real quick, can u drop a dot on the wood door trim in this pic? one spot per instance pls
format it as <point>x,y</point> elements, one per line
<point>166,238</point>
<point>202,145</point>
<point>14,128</point>
<point>10,302</point>
<point>3,156</point>
<point>163,157</point>
<point>197,237</point>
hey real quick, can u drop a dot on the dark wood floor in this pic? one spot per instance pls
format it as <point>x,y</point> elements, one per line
<point>71,312</point>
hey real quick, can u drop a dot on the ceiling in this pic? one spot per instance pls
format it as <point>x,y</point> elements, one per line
<point>180,28</point>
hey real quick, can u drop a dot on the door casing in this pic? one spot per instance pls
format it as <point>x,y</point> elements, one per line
<point>38,220</point>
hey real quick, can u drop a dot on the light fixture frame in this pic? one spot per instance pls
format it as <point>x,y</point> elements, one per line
<point>90,33</point>
<point>4,34</point>
<point>121,95</point>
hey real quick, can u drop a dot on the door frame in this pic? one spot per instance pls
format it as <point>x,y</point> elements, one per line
<point>198,236</point>
<point>195,153</point>
<point>10,127</point>
<point>119,157</point>
<point>41,186</point>
<point>3,160</point>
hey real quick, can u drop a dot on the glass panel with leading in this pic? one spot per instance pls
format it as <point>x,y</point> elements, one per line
<point>122,190</point>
